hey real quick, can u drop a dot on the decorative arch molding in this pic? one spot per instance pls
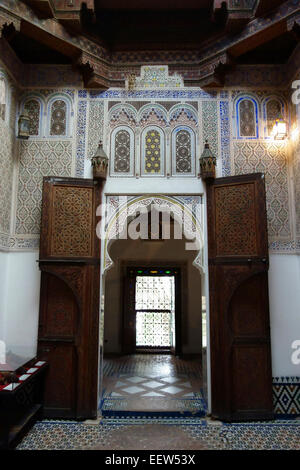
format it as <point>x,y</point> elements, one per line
<point>242,98</point>
<point>122,114</point>
<point>130,151</point>
<point>183,114</point>
<point>184,153</point>
<point>152,113</point>
<point>188,210</point>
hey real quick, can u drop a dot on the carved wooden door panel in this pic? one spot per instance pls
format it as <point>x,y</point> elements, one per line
<point>239,306</point>
<point>69,300</point>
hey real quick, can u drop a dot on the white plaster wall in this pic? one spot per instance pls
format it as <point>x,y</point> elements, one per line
<point>284,290</point>
<point>20,319</point>
<point>3,291</point>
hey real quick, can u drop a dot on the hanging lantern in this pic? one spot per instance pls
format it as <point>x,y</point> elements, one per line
<point>23,126</point>
<point>279,131</point>
<point>100,163</point>
<point>207,163</point>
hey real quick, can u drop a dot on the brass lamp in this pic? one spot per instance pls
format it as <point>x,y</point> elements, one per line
<point>207,163</point>
<point>23,126</point>
<point>100,163</point>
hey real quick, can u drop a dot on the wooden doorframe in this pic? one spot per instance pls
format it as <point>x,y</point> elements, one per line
<point>181,298</point>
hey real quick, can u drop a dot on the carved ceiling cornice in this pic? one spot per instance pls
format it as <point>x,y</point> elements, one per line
<point>238,12</point>
<point>68,12</point>
<point>102,69</point>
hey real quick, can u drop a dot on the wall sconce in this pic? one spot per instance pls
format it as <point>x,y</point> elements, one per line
<point>279,131</point>
<point>100,163</point>
<point>23,126</point>
<point>207,163</point>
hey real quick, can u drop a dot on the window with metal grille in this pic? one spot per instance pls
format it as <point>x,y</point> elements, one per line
<point>155,311</point>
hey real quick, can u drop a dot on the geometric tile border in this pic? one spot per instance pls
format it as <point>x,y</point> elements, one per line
<point>286,396</point>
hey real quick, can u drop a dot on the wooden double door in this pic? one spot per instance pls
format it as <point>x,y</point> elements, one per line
<point>239,309</point>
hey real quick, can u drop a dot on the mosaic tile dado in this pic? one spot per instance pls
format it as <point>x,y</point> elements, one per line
<point>38,159</point>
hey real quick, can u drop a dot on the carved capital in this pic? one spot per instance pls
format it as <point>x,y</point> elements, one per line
<point>95,73</point>
<point>212,73</point>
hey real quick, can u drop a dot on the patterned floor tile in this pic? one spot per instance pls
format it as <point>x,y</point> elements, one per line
<point>162,434</point>
<point>172,390</point>
<point>129,380</point>
<point>133,390</point>
<point>135,379</point>
<point>152,384</point>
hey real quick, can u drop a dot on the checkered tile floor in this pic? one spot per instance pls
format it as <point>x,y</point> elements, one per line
<point>147,387</point>
<point>152,383</point>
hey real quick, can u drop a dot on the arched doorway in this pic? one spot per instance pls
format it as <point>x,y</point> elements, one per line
<point>141,370</point>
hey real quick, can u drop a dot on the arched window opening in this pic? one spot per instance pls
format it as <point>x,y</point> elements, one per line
<point>183,151</point>
<point>152,163</point>
<point>32,108</point>
<point>247,118</point>
<point>58,125</point>
<point>274,111</point>
<point>122,152</point>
